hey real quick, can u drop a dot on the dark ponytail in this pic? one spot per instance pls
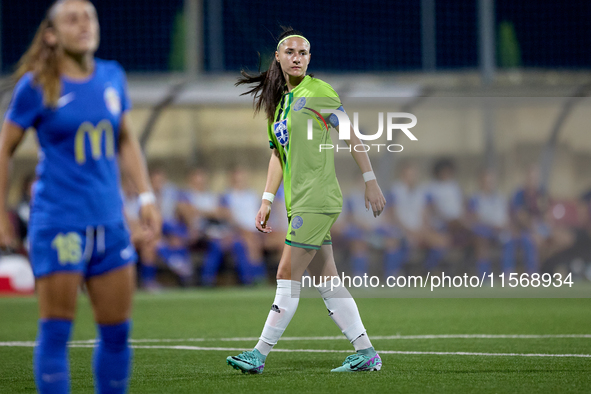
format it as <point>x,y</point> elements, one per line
<point>268,85</point>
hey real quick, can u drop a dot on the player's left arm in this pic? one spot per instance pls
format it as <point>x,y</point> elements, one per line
<point>134,165</point>
<point>373,193</point>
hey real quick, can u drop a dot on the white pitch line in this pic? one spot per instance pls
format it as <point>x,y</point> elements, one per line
<point>238,349</point>
<point>324,338</point>
<point>341,337</point>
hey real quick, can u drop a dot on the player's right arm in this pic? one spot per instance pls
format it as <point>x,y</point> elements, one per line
<point>10,137</point>
<point>274,177</point>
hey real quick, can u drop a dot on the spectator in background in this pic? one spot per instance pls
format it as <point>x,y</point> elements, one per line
<point>201,211</point>
<point>200,208</point>
<point>240,204</point>
<point>533,225</point>
<point>362,231</point>
<point>488,212</point>
<point>174,252</point>
<point>528,208</point>
<point>447,208</point>
<point>411,203</point>
<point>145,246</point>
<point>167,195</point>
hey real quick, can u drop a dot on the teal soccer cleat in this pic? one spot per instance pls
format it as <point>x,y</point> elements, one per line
<point>360,363</point>
<point>250,361</point>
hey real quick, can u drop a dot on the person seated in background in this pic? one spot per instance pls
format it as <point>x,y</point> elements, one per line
<point>240,204</point>
<point>173,250</point>
<point>167,195</point>
<point>167,199</point>
<point>446,208</point>
<point>488,213</point>
<point>200,209</point>
<point>363,230</point>
<point>533,225</point>
<point>145,246</point>
<point>528,208</point>
<point>411,203</point>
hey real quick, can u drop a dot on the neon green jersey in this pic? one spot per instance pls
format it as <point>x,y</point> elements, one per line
<point>309,177</point>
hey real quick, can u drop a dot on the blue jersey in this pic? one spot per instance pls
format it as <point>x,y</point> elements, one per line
<point>78,174</point>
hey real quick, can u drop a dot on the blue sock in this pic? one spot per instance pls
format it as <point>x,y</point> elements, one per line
<point>243,266</point>
<point>394,260</point>
<point>433,258</point>
<point>112,359</point>
<point>148,273</point>
<point>212,262</point>
<point>50,357</point>
<point>359,263</point>
<point>483,266</point>
<point>531,253</point>
<point>508,259</point>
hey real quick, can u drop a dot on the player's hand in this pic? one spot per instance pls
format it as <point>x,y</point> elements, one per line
<point>7,237</point>
<point>263,217</point>
<point>374,198</point>
<point>151,221</point>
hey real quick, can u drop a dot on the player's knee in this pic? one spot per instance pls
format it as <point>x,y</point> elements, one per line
<point>283,273</point>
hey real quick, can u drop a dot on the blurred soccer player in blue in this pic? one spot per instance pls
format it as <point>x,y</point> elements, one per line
<point>78,104</point>
<point>489,216</point>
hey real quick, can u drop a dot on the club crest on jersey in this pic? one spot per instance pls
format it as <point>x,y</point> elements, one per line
<point>113,101</point>
<point>280,130</point>
<point>297,222</point>
<point>299,104</point>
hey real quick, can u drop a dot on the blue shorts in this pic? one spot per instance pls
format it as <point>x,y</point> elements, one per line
<point>91,251</point>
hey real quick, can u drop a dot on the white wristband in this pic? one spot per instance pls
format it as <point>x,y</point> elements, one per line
<point>269,197</point>
<point>147,198</point>
<point>369,176</point>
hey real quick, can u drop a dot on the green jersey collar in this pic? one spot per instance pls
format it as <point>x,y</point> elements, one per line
<point>304,82</point>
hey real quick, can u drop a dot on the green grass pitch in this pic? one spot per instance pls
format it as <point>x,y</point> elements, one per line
<point>195,319</point>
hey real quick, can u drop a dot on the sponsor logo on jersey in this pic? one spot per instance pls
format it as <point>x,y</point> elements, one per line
<point>299,104</point>
<point>280,130</point>
<point>113,101</point>
<point>297,222</point>
<point>275,308</point>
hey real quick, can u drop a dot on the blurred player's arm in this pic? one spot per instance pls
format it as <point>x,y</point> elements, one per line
<point>274,177</point>
<point>10,137</point>
<point>373,194</point>
<point>134,165</point>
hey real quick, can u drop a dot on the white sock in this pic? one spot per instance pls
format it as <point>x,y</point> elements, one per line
<point>343,311</point>
<point>283,309</point>
<point>361,342</point>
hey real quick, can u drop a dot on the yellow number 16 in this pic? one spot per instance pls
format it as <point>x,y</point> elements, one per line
<point>69,248</point>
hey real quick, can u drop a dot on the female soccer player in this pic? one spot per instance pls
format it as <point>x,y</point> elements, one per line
<point>78,106</point>
<point>313,198</point>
